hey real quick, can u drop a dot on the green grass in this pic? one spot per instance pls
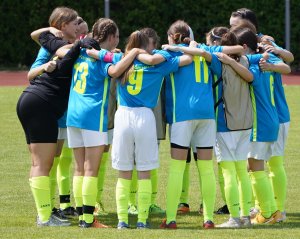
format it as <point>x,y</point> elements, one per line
<point>18,213</point>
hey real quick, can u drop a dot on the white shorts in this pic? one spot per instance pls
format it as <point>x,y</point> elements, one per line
<point>86,138</point>
<point>260,150</point>
<point>134,140</point>
<point>233,145</point>
<point>279,145</point>
<point>62,133</point>
<point>198,133</point>
<point>110,133</point>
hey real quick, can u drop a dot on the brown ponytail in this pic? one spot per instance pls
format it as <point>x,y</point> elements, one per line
<point>136,39</point>
<point>179,32</point>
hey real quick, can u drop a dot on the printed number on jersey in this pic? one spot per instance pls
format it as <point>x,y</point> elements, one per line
<point>135,80</point>
<point>201,69</point>
<point>81,71</point>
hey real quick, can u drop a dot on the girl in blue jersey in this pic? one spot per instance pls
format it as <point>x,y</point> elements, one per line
<point>264,132</point>
<point>159,113</point>
<point>87,119</point>
<point>63,23</point>
<point>276,167</point>
<point>138,92</point>
<point>109,42</point>
<point>211,46</point>
<point>190,121</point>
<point>275,164</point>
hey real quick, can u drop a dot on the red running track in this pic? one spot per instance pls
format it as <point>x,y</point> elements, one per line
<point>19,78</point>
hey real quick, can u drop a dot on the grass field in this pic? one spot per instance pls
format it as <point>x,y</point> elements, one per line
<point>18,213</point>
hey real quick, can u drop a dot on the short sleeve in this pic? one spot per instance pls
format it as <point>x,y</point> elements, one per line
<point>216,65</point>
<point>170,66</point>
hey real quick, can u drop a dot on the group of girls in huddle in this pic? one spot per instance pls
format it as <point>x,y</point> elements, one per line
<point>80,85</point>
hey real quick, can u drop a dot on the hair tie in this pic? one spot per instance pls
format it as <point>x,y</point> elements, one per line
<point>214,35</point>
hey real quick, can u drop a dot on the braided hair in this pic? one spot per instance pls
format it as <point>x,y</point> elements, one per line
<point>102,28</point>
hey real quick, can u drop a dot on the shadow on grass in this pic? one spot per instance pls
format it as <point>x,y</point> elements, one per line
<point>111,219</point>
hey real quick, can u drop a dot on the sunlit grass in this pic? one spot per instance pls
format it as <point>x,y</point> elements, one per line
<point>18,213</point>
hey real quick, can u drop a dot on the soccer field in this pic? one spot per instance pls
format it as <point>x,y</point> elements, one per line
<point>18,213</point>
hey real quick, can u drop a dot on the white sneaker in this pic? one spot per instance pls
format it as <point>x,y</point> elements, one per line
<point>253,212</point>
<point>246,221</point>
<point>233,222</point>
<point>52,222</point>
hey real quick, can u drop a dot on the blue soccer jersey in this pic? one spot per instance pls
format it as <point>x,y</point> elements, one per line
<point>216,67</point>
<point>189,93</point>
<point>144,84</point>
<point>43,57</point>
<point>88,99</point>
<point>280,100</point>
<point>210,49</point>
<point>265,117</point>
<point>279,96</point>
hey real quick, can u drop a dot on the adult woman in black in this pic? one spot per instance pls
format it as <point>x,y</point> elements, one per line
<point>39,107</point>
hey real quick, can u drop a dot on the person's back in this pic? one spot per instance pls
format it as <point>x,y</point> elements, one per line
<point>144,83</point>
<point>88,94</point>
<point>236,98</point>
<point>187,90</point>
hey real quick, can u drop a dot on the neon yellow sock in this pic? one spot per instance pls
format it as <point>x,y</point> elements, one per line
<point>77,192</point>
<point>144,199</point>
<point>53,181</point>
<point>122,196</point>
<point>221,182</point>
<point>263,191</point>
<point>101,175</point>
<point>245,190</point>
<point>231,187</point>
<point>154,179</point>
<point>208,186</point>
<point>184,197</point>
<point>89,194</point>
<point>41,194</point>
<point>174,187</point>
<point>133,188</point>
<point>64,176</point>
<point>278,181</point>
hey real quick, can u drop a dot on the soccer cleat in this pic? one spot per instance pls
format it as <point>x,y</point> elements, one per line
<point>154,209</point>
<point>183,208</point>
<point>260,219</point>
<point>208,225</point>
<point>253,212</point>
<point>70,211</point>
<point>94,224</point>
<point>222,210</point>
<point>141,225</point>
<point>282,218</point>
<point>132,210</point>
<point>231,223</point>
<point>170,225</point>
<point>59,215</point>
<point>52,222</point>
<point>123,225</point>
<point>246,221</point>
<point>99,209</point>
<point>201,209</point>
<point>277,216</point>
<point>80,223</point>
